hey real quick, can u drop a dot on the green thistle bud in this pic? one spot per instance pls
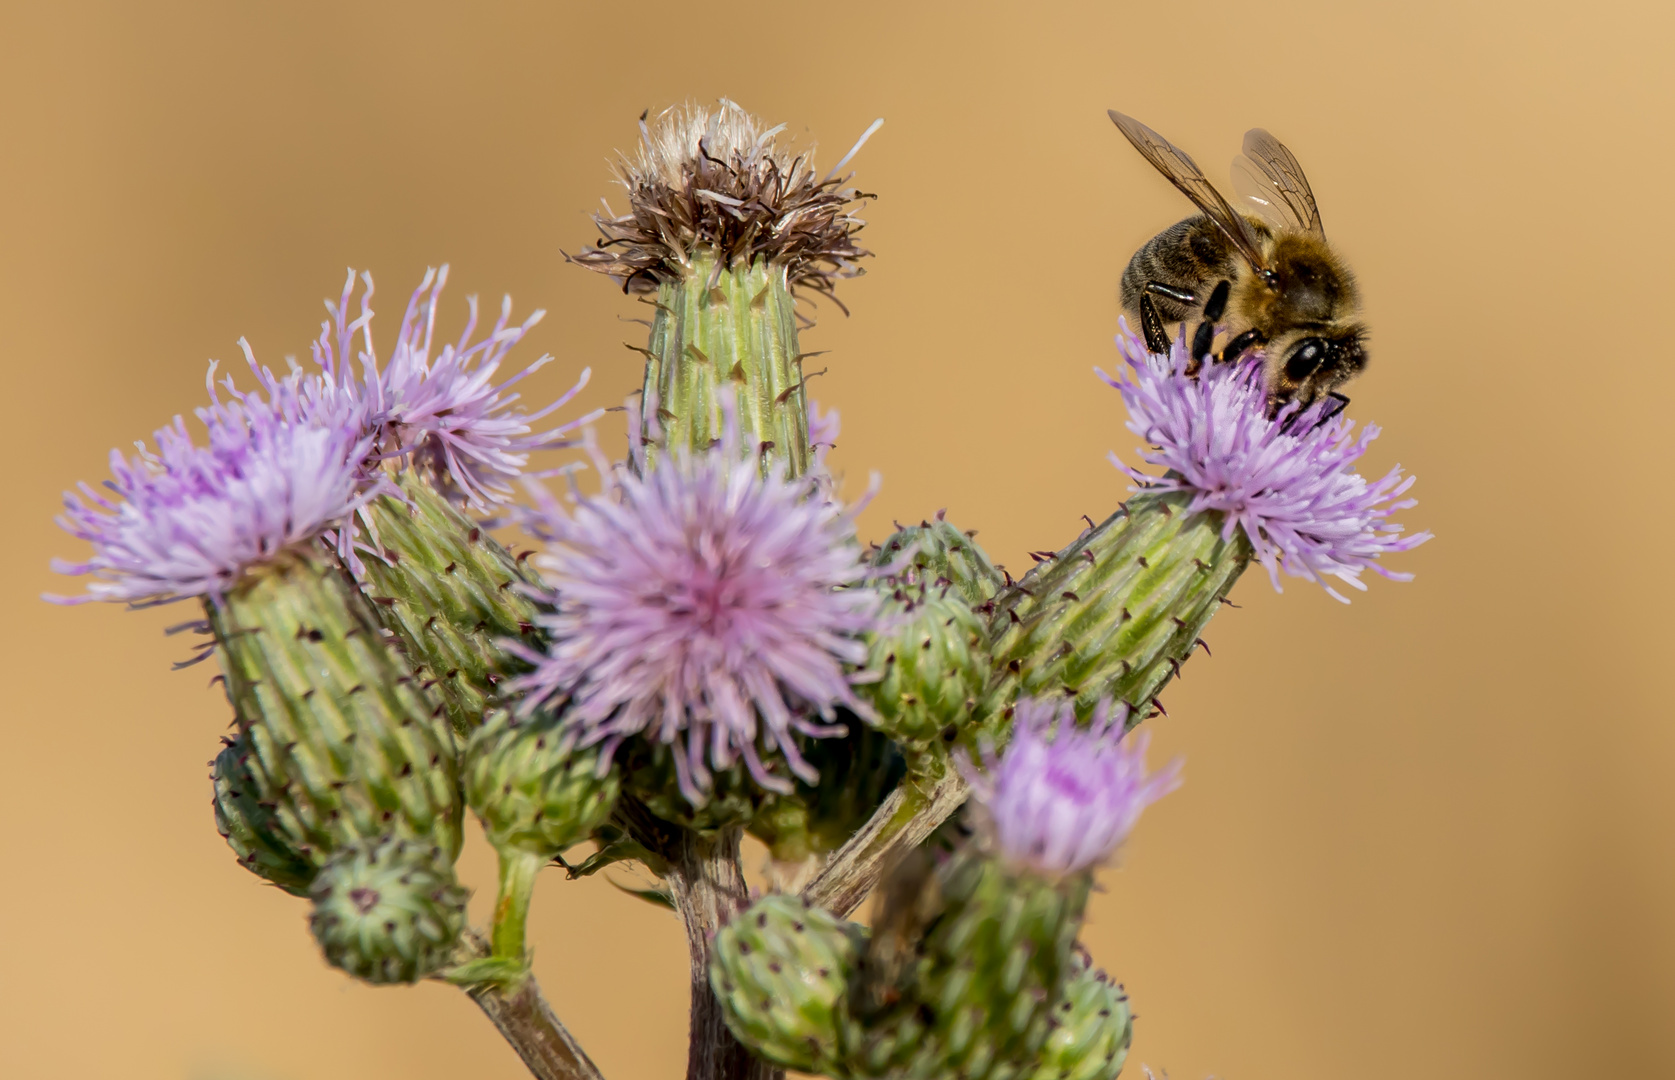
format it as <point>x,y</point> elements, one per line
<point>532,789</point>
<point>387,910</point>
<point>251,829</point>
<point>452,593</point>
<point>1116,613</point>
<point>781,971</point>
<point>943,553</point>
<point>962,968</point>
<point>342,742</point>
<point>932,664</point>
<point>1092,1029</point>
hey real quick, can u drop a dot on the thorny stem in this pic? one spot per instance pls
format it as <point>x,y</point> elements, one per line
<point>523,1016</point>
<point>706,883</point>
<point>902,823</point>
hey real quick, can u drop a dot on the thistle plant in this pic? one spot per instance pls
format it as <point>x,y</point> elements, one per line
<point>703,646</point>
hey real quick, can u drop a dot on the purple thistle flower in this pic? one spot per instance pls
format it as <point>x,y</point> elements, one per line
<point>444,412</point>
<point>1287,481</point>
<point>1062,798</point>
<point>186,520</point>
<point>705,606</point>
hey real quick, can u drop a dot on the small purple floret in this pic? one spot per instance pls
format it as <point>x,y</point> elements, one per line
<point>705,606</point>
<point>1289,481</point>
<point>1063,798</point>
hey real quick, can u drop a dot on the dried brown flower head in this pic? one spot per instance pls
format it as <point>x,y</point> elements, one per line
<point>720,180</point>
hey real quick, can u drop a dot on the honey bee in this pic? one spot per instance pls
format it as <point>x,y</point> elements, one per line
<point>1269,276</point>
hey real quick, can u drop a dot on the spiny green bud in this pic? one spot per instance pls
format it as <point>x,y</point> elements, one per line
<point>388,910</point>
<point>932,664</point>
<point>857,771</point>
<point>962,968</point>
<point>781,971</point>
<point>1092,1029</point>
<point>343,742</point>
<point>453,594</point>
<point>251,829</point>
<point>1116,613</point>
<point>944,553</point>
<point>534,791</point>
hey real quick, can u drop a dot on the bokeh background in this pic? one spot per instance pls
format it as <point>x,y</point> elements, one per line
<point>1427,833</point>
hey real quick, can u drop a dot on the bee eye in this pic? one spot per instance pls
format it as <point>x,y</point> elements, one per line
<point>1305,359</point>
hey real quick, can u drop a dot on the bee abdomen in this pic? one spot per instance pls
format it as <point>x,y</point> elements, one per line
<point>1190,256</point>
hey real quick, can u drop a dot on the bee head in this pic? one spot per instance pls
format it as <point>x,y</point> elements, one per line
<point>1315,362</point>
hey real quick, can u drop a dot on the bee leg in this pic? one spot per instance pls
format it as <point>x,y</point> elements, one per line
<point>1339,404</point>
<point>1247,340</point>
<point>1151,324</point>
<point>1213,310</point>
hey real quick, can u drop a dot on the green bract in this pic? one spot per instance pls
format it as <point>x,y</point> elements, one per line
<point>1116,613</point>
<point>1092,1028</point>
<point>452,594</point>
<point>342,742</point>
<point>729,326</point>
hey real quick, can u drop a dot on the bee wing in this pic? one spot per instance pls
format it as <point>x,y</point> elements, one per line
<point>1184,173</point>
<point>1271,180</point>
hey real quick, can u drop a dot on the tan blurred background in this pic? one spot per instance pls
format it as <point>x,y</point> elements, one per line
<point>1429,833</point>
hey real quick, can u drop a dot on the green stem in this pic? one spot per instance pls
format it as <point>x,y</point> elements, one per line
<point>716,327</point>
<point>511,907</point>
<point>522,1015</point>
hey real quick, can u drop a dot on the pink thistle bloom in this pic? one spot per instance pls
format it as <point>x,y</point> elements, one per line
<point>1287,481</point>
<point>1062,799</point>
<point>439,407</point>
<point>185,520</point>
<point>706,607</point>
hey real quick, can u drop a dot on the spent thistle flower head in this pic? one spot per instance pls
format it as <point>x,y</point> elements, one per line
<point>721,179</point>
<point>704,605</point>
<point>1062,798</point>
<point>185,520</point>
<point>1288,481</point>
